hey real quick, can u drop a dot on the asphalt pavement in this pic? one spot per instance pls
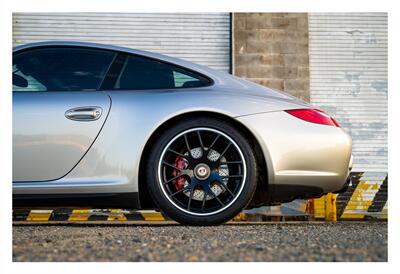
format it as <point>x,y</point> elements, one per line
<point>341,241</point>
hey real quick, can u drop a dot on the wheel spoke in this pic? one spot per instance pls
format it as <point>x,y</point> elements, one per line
<point>200,140</point>
<point>179,191</point>
<point>225,187</point>
<point>204,200</point>
<point>215,196</point>
<point>177,153</point>
<point>174,178</point>
<point>190,197</point>
<point>187,144</point>
<point>213,143</point>
<point>230,163</point>
<point>232,176</point>
<point>170,165</point>
<point>225,150</point>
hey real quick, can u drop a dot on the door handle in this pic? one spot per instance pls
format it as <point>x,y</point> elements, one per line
<point>84,113</point>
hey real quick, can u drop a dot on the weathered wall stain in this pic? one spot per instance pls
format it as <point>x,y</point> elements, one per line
<point>380,85</point>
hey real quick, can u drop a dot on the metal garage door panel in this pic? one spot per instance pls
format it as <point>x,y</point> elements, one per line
<point>348,78</point>
<point>198,37</point>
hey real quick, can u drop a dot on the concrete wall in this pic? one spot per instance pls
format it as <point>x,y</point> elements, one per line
<point>272,50</point>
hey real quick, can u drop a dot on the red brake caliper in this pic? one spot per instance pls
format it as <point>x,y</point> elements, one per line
<point>181,164</point>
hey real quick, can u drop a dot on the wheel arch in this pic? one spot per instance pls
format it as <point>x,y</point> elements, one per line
<point>144,195</point>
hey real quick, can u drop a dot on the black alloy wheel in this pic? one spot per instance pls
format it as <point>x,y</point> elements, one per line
<point>202,175</point>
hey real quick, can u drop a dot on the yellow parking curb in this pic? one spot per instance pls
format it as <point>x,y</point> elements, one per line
<point>39,215</point>
<point>152,216</point>
<point>116,215</point>
<point>80,215</point>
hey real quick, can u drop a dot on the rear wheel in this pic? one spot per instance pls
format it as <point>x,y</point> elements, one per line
<point>203,174</point>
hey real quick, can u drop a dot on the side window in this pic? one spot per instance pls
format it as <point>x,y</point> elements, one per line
<point>139,73</point>
<point>180,79</point>
<point>60,69</point>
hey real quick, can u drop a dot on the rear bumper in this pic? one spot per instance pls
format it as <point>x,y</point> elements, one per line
<point>351,162</point>
<point>300,153</point>
<point>348,180</point>
<point>345,186</point>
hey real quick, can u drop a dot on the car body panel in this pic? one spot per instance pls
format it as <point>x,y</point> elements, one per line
<point>46,144</point>
<point>300,152</point>
<point>112,163</point>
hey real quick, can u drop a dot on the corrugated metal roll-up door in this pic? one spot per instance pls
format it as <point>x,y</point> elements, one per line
<point>203,38</point>
<point>348,78</point>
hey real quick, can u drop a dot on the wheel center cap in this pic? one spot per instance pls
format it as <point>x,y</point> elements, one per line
<point>202,171</point>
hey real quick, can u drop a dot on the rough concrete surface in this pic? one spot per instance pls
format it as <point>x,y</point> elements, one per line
<point>343,241</point>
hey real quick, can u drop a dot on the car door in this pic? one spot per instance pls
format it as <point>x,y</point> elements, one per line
<point>58,110</point>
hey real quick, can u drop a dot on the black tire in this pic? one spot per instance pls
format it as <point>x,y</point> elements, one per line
<point>243,188</point>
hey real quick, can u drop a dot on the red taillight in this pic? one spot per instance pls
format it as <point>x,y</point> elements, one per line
<point>313,116</point>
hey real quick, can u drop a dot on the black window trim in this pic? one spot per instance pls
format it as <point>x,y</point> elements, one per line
<point>113,72</point>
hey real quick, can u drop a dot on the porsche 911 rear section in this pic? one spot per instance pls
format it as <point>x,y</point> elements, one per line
<point>303,158</point>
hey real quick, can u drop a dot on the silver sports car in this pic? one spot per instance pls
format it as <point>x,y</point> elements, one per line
<point>105,126</point>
